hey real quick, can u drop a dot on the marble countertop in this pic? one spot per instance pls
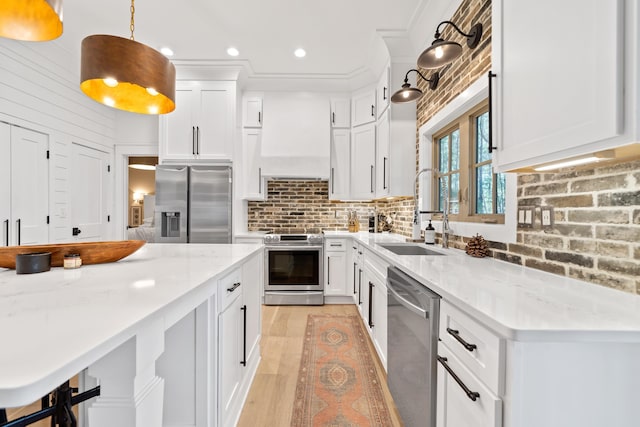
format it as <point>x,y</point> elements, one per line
<point>519,303</point>
<point>74,317</point>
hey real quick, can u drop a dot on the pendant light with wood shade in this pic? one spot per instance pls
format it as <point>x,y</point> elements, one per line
<point>127,75</point>
<point>31,20</point>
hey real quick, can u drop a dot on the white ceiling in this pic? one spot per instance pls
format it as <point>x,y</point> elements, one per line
<point>338,35</point>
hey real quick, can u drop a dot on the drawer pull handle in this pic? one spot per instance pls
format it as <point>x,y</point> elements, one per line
<point>456,335</point>
<point>234,287</point>
<point>473,395</point>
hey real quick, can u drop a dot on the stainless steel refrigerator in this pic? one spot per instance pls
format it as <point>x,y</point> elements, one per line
<point>193,204</point>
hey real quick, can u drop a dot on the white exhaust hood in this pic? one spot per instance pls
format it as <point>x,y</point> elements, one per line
<point>296,135</point>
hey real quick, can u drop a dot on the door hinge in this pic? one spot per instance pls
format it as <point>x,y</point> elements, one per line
<point>47,219</point>
<point>108,168</point>
<point>47,154</point>
<point>108,218</point>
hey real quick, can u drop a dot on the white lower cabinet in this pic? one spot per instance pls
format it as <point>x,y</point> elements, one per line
<point>230,338</point>
<point>358,264</point>
<point>239,324</point>
<point>463,401</point>
<point>471,366</point>
<point>376,303</point>
<point>335,267</point>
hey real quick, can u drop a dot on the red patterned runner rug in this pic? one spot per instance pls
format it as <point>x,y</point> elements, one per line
<point>337,382</point>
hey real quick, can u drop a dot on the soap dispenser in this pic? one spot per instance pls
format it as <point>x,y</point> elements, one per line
<point>430,234</point>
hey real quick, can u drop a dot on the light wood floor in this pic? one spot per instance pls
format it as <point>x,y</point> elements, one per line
<point>271,397</point>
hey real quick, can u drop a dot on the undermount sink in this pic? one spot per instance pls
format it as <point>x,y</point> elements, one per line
<point>408,249</point>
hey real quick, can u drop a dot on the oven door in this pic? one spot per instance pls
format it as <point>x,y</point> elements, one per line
<point>293,268</point>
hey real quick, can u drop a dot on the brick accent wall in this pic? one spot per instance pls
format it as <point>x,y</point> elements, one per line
<point>473,63</point>
<point>306,204</point>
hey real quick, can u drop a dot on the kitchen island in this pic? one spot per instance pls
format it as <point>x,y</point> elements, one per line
<point>113,319</point>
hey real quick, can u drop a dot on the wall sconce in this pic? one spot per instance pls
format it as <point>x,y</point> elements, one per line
<point>138,197</point>
<point>441,52</point>
<point>408,93</point>
<point>127,75</point>
<point>34,20</point>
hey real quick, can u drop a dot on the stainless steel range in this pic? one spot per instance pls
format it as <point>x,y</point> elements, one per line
<point>294,269</point>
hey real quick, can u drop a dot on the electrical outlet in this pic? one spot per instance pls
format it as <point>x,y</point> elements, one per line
<point>546,216</point>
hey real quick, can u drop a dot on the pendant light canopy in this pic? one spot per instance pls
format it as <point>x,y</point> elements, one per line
<point>126,74</point>
<point>31,20</point>
<point>408,93</point>
<point>442,52</point>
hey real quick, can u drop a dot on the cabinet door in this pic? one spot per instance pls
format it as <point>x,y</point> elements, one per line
<point>383,163</point>
<point>29,186</point>
<point>177,129</point>
<point>335,273</point>
<point>5,183</point>
<point>340,113</point>
<point>453,407</point>
<point>229,347</point>
<point>363,108</point>
<point>363,160</point>
<point>382,92</point>
<point>252,112</point>
<point>339,177</point>
<point>252,282</point>
<point>214,128</point>
<point>254,183</point>
<point>379,305</point>
<point>550,101</point>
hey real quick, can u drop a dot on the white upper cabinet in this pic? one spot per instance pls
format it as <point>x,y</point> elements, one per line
<point>340,112</point>
<point>382,157</point>
<point>382,92</point>
<point>202,125</point>
<point>363,161</point>
<point>363,107</point>
<point>254,181</point>
<point>564,91</point>
<point>252,112</point>
<point>340,167</point>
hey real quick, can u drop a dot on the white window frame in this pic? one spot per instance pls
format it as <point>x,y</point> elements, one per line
<point>505,233</point>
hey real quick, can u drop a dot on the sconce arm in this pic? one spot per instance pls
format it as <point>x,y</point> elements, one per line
<point>437,35</point>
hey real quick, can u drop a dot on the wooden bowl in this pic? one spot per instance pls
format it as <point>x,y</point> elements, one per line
<point>90,252</point>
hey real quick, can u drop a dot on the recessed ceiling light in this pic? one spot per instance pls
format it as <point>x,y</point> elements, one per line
<point>300,53</point>
<point>232,51</point>
<point>166,51</point>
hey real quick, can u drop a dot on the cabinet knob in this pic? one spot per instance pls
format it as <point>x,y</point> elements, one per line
<point>75,231</point>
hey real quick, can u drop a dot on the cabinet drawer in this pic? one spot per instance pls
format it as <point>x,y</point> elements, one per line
<point>481,350</point>
<point>377,266</point>
<point>335,245</point>
<point>454,406</point>
<point>229,288</point>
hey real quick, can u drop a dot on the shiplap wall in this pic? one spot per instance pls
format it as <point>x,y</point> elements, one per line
<point>39,90</point>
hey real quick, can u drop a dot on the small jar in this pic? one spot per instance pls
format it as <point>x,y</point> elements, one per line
<point>72,261</point>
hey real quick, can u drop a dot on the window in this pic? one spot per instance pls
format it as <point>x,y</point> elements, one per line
<point>463,170</point>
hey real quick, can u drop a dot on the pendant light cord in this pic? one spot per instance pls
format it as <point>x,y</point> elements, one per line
<point>132,26</point>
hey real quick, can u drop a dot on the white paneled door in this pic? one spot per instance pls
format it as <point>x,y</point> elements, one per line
<point>89,192</point>
<point>29,187</point>
<point>5,182</point>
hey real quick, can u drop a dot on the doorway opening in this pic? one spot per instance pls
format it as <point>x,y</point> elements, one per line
<point>141,198</point>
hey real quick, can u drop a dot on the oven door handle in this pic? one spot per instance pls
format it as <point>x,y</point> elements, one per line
<point>294,248</point>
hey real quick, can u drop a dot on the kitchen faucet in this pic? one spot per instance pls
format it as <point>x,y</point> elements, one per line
<point>416,212</point>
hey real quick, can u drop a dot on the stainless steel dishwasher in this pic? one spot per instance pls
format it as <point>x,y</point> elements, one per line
<point>412,313</point>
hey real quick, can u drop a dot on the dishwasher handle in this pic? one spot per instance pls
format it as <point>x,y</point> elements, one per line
<point>392,286</point>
